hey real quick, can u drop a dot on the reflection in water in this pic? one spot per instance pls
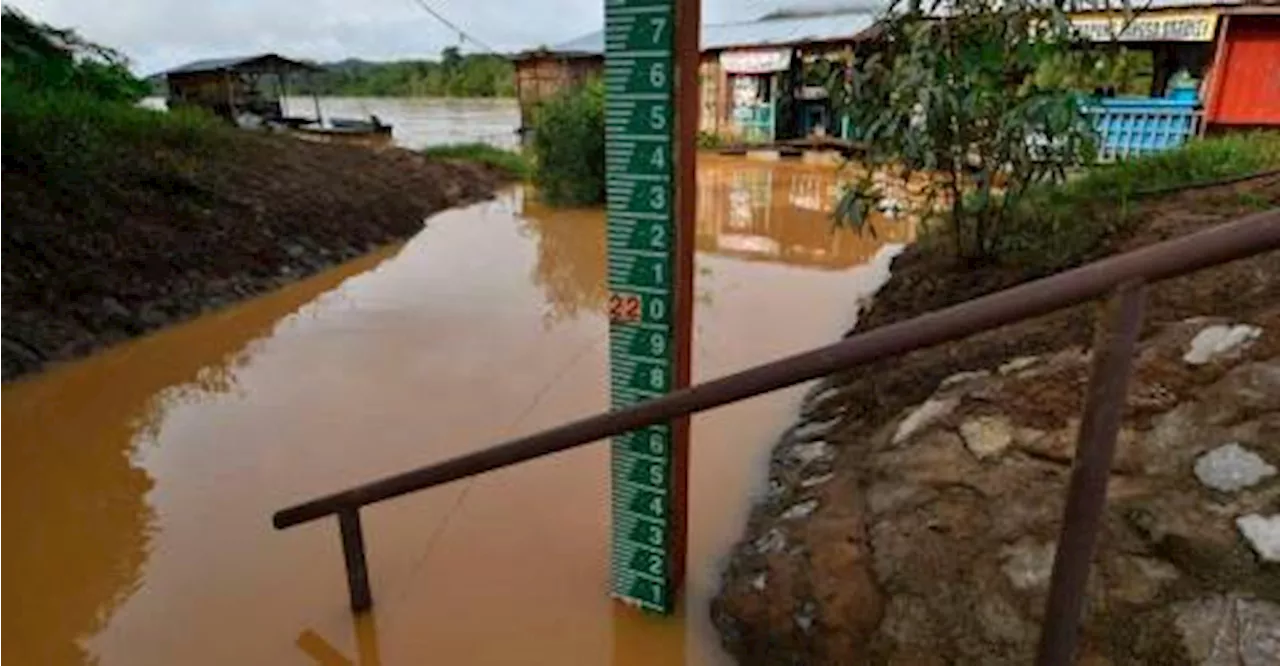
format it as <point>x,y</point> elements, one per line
<point>782,213</point>
<point>76,525</point>
<point>571,258</point>
<point>778,213</point>
<point>140,481</point>
<point>324,654</point>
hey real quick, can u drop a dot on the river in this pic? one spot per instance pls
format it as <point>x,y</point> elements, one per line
<point>139,483</point>
<point>416,122</point>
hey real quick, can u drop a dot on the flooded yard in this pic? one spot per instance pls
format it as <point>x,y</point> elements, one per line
<point>139,483</point>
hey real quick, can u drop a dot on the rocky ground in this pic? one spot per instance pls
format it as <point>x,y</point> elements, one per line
<point>912,511</point>
<point>176,233</point>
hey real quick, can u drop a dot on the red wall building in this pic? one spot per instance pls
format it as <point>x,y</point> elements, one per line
<point>1244,80</point>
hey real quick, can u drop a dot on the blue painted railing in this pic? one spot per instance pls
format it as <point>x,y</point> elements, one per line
<point>1132,126</point>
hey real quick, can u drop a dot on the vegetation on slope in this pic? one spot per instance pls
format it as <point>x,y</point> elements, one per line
<point>508,161</point>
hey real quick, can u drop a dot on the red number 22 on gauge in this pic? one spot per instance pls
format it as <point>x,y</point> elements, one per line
<point>624,307</point>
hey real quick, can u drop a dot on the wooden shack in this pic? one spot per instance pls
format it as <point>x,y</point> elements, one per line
<point>229,87</point>
<point>751,73</point>
<point>544,73</point>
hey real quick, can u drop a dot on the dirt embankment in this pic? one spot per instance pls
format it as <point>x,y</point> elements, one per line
<point>877,547</point>
<point>176,232</point>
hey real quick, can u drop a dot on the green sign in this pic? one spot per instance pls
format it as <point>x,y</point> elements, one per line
<point>639,130</point>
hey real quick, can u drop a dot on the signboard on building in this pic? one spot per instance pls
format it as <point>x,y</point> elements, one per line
<point>1197,26</point>
<point>759,61</point>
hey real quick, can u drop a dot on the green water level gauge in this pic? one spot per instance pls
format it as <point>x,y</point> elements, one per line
<point>639,78</point>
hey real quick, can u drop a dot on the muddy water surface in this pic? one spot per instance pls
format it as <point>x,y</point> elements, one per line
<point>138,484</point>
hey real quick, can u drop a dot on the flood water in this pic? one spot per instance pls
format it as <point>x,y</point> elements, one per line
<point>416,122</point>
<point>138,484</point>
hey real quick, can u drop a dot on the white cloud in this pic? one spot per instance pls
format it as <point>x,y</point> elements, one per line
<point>157,34</point>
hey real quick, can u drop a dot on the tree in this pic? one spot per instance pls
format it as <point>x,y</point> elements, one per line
<point>40,57</point>
<point>955,122</point>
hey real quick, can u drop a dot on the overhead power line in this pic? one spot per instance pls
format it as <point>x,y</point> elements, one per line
<point>462,34</point>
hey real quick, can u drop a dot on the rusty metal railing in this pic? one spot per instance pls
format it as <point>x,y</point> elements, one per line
<point>1126,275</point>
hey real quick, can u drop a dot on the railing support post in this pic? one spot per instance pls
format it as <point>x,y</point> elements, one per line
<point>1087,492</point>
<point>353,554</point>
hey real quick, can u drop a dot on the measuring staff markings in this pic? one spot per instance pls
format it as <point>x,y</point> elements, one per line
<point>639,134</point>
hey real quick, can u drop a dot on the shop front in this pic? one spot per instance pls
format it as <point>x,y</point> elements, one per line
<point>1211,68</point>
<point>753,81</point>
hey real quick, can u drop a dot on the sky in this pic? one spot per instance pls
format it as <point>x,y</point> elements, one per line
<point>159,34</point>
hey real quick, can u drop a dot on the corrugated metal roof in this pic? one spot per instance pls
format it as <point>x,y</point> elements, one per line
<point>238,62</point>
<point>770,32</point>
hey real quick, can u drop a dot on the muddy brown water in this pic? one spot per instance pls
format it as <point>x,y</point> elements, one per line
<point>139,483</point>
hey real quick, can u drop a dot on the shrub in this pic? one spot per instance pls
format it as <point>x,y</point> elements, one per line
<point>709,140</point>
<point>568,147</point>
<point>950,94</point>
<point>482,153</point>
<point>70,139</point>
<point>1058,226</point>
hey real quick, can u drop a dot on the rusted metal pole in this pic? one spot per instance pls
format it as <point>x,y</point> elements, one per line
<point>688,99</point>
<point>1245,237</point>
<point>1087,494</point>
<point>353,555</point>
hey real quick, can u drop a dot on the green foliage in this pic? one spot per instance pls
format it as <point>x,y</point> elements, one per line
<point>709,140</point>
<point>69,139</point>
<point>950,99</point>
<point>1054,227</point>
<point>454,75</point>
<point>1111,68</point>
<point>568,147</point>
<point>482,153</point>
<point>69,112</point>
<point>41,57</point>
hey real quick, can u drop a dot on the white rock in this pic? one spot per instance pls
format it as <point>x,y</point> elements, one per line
<point>1217,340</point>
<point>758,582</point>
<point>799,510</point>
<point>804,617</point>
<point>811,430</point>
<point>986,436</point>
<point>1029,565</point>
<point>1231,467</point>
<point>1013,365</point>
<point>772,541</point>
<point>810,452</point>
<point>1229,631</point>
<point>963,378</point>
<point>1263,533</point>
<point>817,480</point>
<point>924,415</point>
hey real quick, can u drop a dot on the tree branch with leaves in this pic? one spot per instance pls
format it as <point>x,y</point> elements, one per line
<point>949,100</point>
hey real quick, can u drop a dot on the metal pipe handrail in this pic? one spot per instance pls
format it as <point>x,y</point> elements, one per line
<point>1234,240</point>
<point>1126,275</point>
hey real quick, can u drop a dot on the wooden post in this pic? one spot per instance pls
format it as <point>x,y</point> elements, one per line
<point>688,99</point>
<point>353,557</point>
<point>1087,493</point>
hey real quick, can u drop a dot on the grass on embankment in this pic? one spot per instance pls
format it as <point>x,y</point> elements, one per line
<point>1063,225</point>
<point>74,142</point>
<point>511,162</point>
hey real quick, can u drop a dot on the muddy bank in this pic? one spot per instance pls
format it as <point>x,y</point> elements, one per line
<point>876,548</point>
<point>177,231</point>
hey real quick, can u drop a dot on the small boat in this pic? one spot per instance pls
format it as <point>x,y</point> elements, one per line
<point>371,133</point>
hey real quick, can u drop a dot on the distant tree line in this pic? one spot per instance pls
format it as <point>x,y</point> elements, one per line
<point>454,75</point>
